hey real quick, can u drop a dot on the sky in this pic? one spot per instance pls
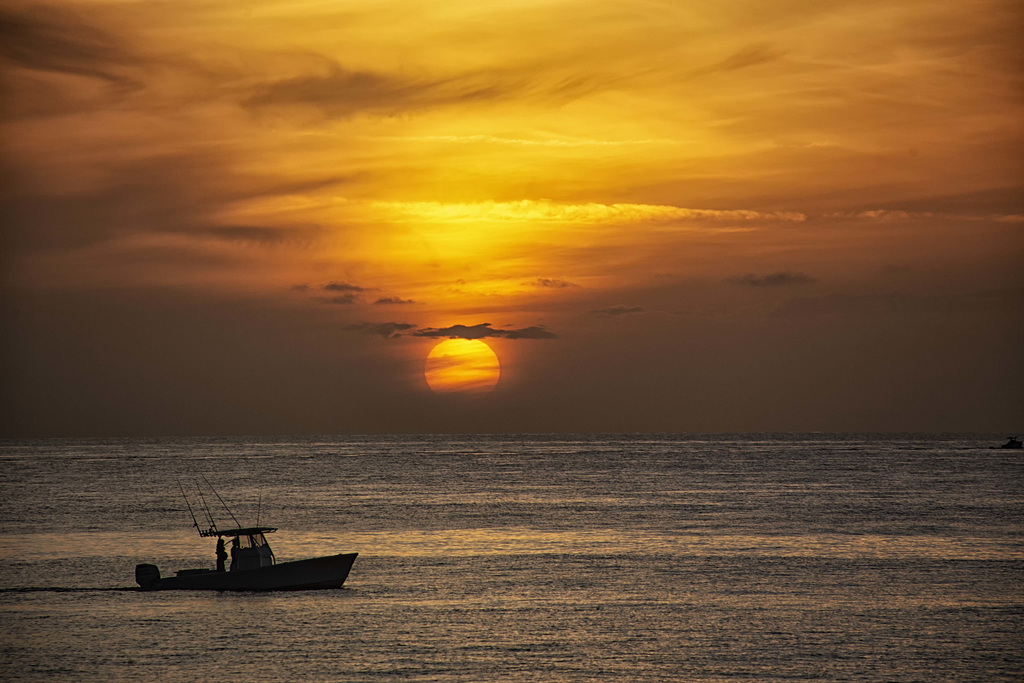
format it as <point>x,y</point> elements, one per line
<point>261,216</point>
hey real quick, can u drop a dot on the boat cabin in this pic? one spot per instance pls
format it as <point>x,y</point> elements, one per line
<point>249,548</point>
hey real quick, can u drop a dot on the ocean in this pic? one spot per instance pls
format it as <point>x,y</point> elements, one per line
<point>525,558</point>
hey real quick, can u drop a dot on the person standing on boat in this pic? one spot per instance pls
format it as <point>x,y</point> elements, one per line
<point>222,554</point>
<point>234,553</point>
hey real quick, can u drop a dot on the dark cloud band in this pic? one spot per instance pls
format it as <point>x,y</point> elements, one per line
<point>484,331</point>
<point>390,330</point>
<point>343,287</point>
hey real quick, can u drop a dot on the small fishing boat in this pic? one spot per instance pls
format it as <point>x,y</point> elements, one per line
<point>1013,442</point>
<point>253,565</point>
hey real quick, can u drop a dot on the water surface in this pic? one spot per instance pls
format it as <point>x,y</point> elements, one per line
<point>546,558</point>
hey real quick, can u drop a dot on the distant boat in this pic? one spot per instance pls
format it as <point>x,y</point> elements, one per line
<point>253,569</point>
<point>1014,442</point>
<point>253,565</point>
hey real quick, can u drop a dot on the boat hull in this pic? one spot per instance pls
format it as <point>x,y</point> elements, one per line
<point>312,574</point>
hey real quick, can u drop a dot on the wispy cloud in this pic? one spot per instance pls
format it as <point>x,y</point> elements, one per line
<point>780,279</point>
<point>545,211</point>
<point>619,310</point>
<point>348,294</point>
<point>55,39</point>
<point>556,212</point>
<point>341,92</point>
<point>386,330</point>
<point>529,142</point>
<point>751,55</point>
<point>901,216</point>
<point>337,91</point>
<point>551,283</point>
<point>249,234</point>
<point>391,300</point>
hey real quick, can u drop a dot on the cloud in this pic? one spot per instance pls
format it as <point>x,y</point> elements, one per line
<point>178,196</point>
<point>534,332</point>
<point>484,331</point>
<point>544,211</point>
<point>390,330</point>
<point>386,330</point>
<point>340,92</point>
<point>901,216</point>
<point>619,310</point>
<point>552,283</point>
<point>885,215</point>
<point>780,279</point>
<point>529,142</point>
<point>349,293</point>
<point>751,55</point>
<point>248,234</point>
<point>46,38</point>
<point>342,287</point>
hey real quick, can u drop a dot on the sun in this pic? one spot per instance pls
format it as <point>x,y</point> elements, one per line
<point>462,366</point>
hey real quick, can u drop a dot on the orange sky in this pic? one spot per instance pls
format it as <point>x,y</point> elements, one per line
<point>242,217</point>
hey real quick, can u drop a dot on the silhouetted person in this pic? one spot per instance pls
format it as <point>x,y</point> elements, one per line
<point>234,553</point>
<point>222,554</point>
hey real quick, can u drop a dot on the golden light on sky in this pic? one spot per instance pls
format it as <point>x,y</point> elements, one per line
<point>462,366</point>
<point>791,209</point>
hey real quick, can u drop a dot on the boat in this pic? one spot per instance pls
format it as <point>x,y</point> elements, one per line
<point>253,569</point>
<point>253,565</point>
<point>1013,442</point>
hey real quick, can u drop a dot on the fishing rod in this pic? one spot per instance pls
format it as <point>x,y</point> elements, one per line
<point>237,523</point>
<point>206,509</point>
<point>195,522</point>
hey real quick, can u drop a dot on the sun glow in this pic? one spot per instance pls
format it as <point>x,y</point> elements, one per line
<point>462,366</point>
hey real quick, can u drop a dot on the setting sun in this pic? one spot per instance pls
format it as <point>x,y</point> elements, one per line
<point>464,366</point>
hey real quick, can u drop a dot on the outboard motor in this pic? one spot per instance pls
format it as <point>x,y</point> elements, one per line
<point>146,575</point>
